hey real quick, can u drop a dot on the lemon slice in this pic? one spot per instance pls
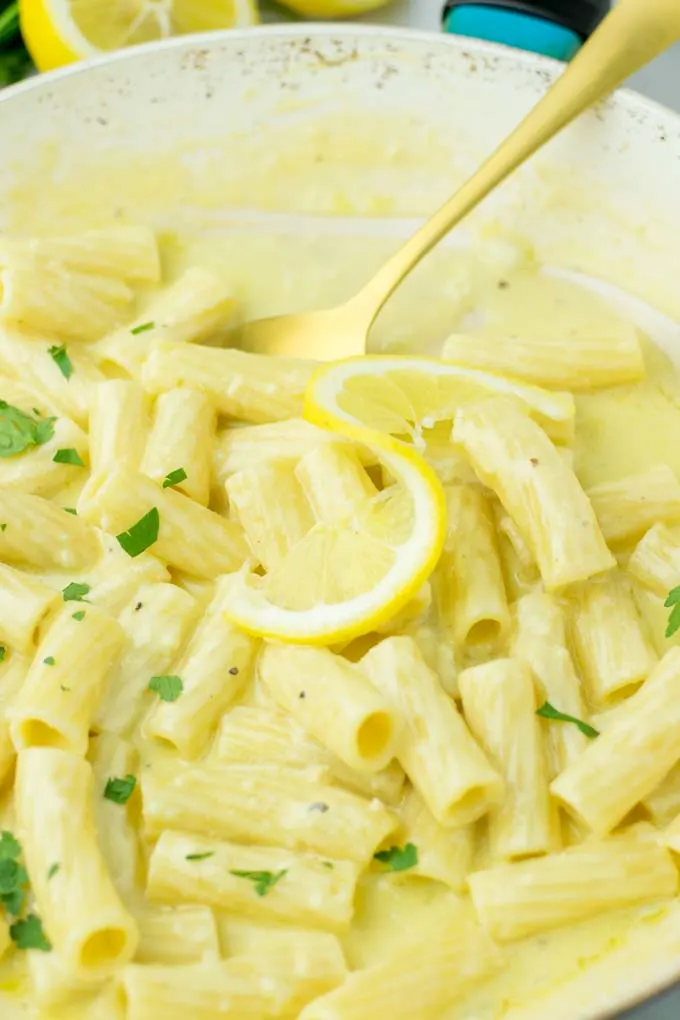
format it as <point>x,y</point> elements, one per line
<point>416,399</point>
<point>59,32</point>
<point>343,580</point>
<point>332,8</point>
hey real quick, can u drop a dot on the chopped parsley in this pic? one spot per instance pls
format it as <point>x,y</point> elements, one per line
<point>168,688</point>
<point>50,660</point>
<point>29,934</point>
<point>13,876</point>
<point>75,591</point>
<point>10,847</point>
<point>174,478</point>
<point>70,510</point>
<point>61,359</point>
<point>19,432</point>
<point>399,858</point>
<point>120,790</point>
<point>673,603</point>
<point>3,653</point>
<point>80,615</point>
<point>53,871</point>
<point>144,328</point>
<point>262,880</point>
<point>141,535</point>
<point>548,711</point>
<point>69,456</point>
<point>3,527</point>
<point>200,857</point>
<point>327,864</point>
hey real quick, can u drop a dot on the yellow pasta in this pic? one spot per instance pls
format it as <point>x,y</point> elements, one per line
<point>182,434</point>
<point>119,423</point>
<point>656,560</point>
<point>334,482</point>
<point>24,603</point>
<point>177,935</point>
<point>130,252</point>
<point>40,534</point>
<point>445,855</point>
<point>114,759</point>
<point>627,508</point>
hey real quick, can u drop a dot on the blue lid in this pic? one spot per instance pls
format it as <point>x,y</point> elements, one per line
<point>580,16</point>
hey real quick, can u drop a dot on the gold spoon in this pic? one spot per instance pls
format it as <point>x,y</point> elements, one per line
<point>634,33</point>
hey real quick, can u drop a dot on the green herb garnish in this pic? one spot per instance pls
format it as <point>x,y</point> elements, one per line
<point>174,478</point>
<point>69,456</point>
<point>79,616</point>
<point>19,432</point>
<point>52,872</point>
<point>673,601</point>
<point>3,527</point>
<point>168,688</point>
<point>262,880</point>
<point>13,876</point>
<point>141,535</point>
<point>200,857</point>
<point>3,653</point>
<point>144,328</point>
<point>70,510</point>
<point>399,858</point>
<point>75,591</point>
<point>547,711</point>
<point>50,660</point>
<point>61,359</point>
<point>29,934</point>
<point>120,790</point>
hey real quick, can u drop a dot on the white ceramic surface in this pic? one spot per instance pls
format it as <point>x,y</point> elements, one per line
<point>203,132</point>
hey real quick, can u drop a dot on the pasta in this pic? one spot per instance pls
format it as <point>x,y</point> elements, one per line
<point>627,508</point>
<point>182,433</point>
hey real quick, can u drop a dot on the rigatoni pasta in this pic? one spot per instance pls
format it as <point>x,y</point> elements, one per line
<point>119,423</point>
<point>628,507</point>
<point>182,434</point>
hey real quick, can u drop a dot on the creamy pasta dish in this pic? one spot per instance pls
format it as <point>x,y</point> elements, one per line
<point>332,692</point>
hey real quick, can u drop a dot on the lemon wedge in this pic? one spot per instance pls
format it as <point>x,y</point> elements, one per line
<point>333,8</point>
<point>59,32</point>
<point>343,579</point>
<point>416,399</point>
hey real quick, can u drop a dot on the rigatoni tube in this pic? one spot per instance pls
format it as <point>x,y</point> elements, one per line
<point>214,668</point>
<point>57,702</point>
<point>335,482</point>
<point>298,888</point>
<point>182,436</point>
<point>479,610</point>
<point>444,855</point>
<point>272,508</point>
<point>656,560</point>
<point>517,900</point>
<point>628,507</point>
<point>24,603</point>
<point>631,757</point>
<point>114,758</point>
<point>83,915</point>
<point>267,805</point>
<point>191,537</point>
<point>435,747</point>
<point>612,648</point>
<point>177,935</point>
<point>515,458</point>
<point>499,703</point>
<point>249,387</point>
<point>40,534</point>
<point>434,968</point>
<point>119,424</point>
<point>334,701</point>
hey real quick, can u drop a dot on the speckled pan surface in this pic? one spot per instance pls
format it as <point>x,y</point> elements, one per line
<point>332,130</point>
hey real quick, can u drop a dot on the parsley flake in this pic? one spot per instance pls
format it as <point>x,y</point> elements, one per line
<point>144,328</point>
<point>3,527</point>
<point>673,603</point>
<point>9,846</point>
<point>399,858</point>
<point>3,653</point>
<point>75,591</point>
<point>69,456</point>
<point>168,688</point>
<point>53,871</point>
<point>548,711</point>
<point>262,880</point>
<point>70,510</point>
<point>19,432</point>
<point>29,934</point>
<point>141,535</point>
<point>50,660</point>
<point>61,359</point>
<point>120,790</point>
<point>174,478</point>
<point>200,857</point>
<point>80,615</point>
<point>13,877</point>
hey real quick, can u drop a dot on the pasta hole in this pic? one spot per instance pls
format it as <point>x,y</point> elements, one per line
<point>374,735</point>
<point>471,806</point>
<point>35,733</point>
<point>103,948</point>
<point>484,632</point>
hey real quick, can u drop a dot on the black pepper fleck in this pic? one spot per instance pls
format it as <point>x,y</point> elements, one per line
<point>302,695</point>
<point>320,807</point>
<point>234,671</point>
<point>138,606</point>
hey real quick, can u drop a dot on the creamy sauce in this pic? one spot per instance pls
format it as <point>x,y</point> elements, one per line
<point>569,972</point>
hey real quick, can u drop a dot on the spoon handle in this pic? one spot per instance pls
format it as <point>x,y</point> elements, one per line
<point>631,36</point>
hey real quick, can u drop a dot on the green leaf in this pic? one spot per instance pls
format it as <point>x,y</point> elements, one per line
<point>75,591</point>
<point>262,880</point>
<point>9,23</point>
<point>142,535</point>
<point>10,847</point>
<point>144,328</point>
<point>3,652</point>
<point>12,874</point>
<point>200,857</point>
<point>19,432</point>
<point>673,598</point>
<point>673,621</point>
<point>547,711</point>
<point>168,688</point>
<point>61,359</point>
<point>120,790</point>
<point>29,934</point>
<point>399,858</point>
<point>68,456</point>
<point>70,510</point>
<point>3,527</point>
<point>14,901</point>
<point>53,871</point>
<point>174,478</point>
<point>79,616</point>
<point>50,660</point>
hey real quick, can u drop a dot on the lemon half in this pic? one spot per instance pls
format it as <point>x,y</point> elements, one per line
<point>59,32</point>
